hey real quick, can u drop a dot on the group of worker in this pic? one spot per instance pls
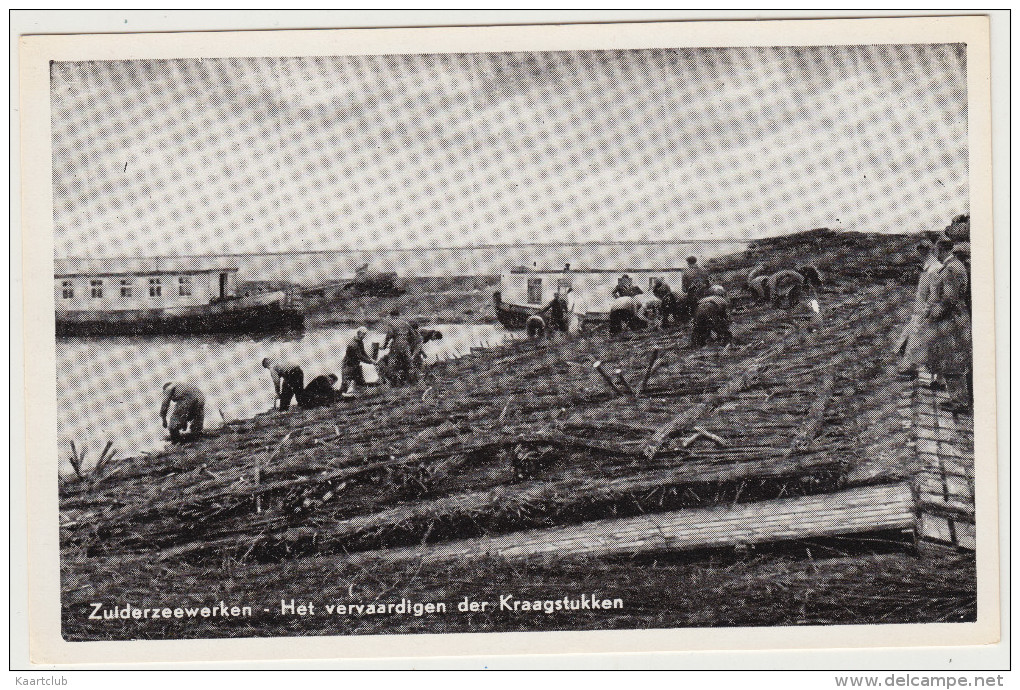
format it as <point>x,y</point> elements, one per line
<point>698,300</point>
<point>401,364</point>
<point>938,334</point>
<point>785,287</point>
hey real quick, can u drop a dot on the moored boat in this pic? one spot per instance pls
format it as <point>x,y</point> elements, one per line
<point>171,296</point>
<point>253,314</point>
<point>524,292</point>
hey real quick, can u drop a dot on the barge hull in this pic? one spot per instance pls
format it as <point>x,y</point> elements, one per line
<point>217,318</point>
<point>514,317</point>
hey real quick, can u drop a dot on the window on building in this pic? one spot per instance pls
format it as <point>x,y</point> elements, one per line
<point>68,288</point>
<point>564,284</point>
<point>126,288</point>
<point>97,289</point>
<point>184,286</point>
<point>155,288</point>
<point>534,290</point>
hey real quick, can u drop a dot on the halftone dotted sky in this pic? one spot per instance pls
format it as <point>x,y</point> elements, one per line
<point>200,156</point>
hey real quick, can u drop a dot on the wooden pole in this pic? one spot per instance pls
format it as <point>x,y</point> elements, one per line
<point>653,364</point>
<point>606,377</point>
<point>623,381</point>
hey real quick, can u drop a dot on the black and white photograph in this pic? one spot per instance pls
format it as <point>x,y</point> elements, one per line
<point>505,340</point>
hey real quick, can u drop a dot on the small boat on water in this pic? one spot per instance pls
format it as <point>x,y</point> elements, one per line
<point>165,296</point>
<point>523,291</point>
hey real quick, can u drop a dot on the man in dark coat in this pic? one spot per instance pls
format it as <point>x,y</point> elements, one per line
<point>712,318</point>
<point>672,311</point>
<point>557,309</point>
<point>288,381</point>
<point>399,339</point>
<point>625,287</point>
<point>320,392</point>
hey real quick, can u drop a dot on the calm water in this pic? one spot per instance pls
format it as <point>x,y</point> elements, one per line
<point>111,388</point>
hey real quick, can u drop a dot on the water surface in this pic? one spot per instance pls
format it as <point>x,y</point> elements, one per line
<point>110,388</point>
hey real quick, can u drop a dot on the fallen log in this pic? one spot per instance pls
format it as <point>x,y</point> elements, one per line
<point>544,500</point>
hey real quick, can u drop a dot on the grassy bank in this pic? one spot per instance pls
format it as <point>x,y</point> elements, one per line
<point>456,300</point>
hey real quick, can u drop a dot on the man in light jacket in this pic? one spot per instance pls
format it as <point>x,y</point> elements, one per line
<point>189,410</point>
<point>911,348</point>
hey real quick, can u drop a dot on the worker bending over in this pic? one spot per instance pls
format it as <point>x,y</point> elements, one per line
<point>711,318</point>
<point>647,312</point>
<point>535,327</point>
<point>672,308</point>
<point>622,313</point>
<point>320,392</point>
<point>790,285</point>
<point>189,410</point>
<point>288,381</point>
<point>427,336</point>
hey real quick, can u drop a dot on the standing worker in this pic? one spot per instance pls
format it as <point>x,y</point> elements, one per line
<point>416,345</point>
<point>947,321</point>
<point>557,309</point>
<point>961,250</point>
<point>288,381</point>
<point>398,340</point>
<point>911,347</point>
<point>189,410</point>
<point>577,310</point>
<point>354,357</point>
<point>711,318</point>
<point>695,285</point>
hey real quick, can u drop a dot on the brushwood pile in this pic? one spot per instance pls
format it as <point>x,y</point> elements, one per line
<point>527,436</point>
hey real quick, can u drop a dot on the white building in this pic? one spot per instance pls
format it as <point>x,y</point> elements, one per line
<point>81,285</point>
<point>536,287</point>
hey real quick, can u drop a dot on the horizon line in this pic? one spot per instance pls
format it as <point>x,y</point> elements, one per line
<point>612,243</point>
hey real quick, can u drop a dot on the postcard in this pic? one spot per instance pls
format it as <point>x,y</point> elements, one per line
<point>509,340</point>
